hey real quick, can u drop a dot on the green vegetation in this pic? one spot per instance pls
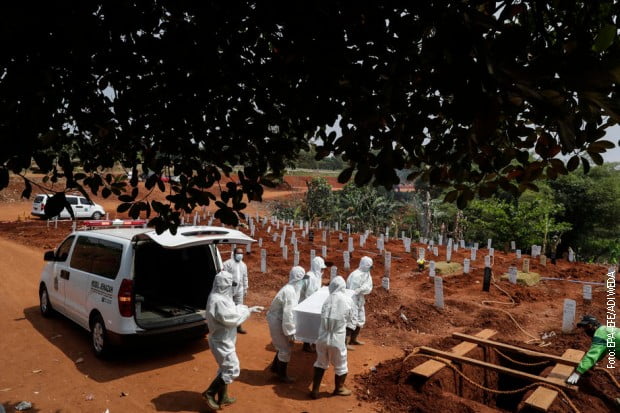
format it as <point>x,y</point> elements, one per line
<point>583,210</point>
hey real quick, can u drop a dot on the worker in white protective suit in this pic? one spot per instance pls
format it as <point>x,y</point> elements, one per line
<point>223,317</point>
<point>281,319</point>
<point>331,346</point>
<point>312,283</point>
<point>239,271</point>
<point>359,281</point>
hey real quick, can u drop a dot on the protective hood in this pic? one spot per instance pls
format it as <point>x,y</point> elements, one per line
<point>317,265</point>
<point>222,284</point>
<point>365,264</point>
<point>297,273</point>
<point>337,284</point>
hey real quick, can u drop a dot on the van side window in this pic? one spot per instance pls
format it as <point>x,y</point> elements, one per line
<point>97,256</point>
<point>63,250</point>
<point>85,201</point>
<point>72,200</point>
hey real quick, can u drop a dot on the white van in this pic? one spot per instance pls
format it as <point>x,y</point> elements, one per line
<point>125,283</point>
<point>82,207</point>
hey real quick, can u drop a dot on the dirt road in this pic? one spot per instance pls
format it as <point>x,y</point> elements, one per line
<point>39,359</point>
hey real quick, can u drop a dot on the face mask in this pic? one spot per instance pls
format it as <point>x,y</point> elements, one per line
<point>238,257</point>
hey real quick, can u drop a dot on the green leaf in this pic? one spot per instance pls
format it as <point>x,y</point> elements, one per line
<point>586,165</point>
<point>573,163</point>
<point>345,175</point>
<point>597,158</point>
<point>123,207</point>
<point>605,38</point>
<point>451,196</point>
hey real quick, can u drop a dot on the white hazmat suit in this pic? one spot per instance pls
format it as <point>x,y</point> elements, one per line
<point>336,314</point>
<point>223,317</point>
<point>239,271</point>
<point>281,317</point>
<point>313,278</point>
<point>360,281</point>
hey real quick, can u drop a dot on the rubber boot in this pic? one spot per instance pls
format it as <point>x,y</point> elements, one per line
<point>282,375</point>
<point>274,364</point>
<point>340,389</point>
<point>240,329</point>
<point>347,339</point>
<point>224,399</point>
<point>316,382</point>
<point>354,335</point>
<point>307,347</point>
<point>211,392</point>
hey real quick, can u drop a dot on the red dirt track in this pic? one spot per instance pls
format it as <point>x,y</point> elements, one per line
<point>38,356</point>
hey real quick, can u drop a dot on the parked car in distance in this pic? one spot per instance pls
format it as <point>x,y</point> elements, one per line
<point>82,207</point>
<point>131,284</point>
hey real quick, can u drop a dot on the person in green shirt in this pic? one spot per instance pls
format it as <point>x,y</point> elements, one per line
<point>603,339</point>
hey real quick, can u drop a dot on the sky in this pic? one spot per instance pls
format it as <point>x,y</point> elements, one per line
<point>613,135</point>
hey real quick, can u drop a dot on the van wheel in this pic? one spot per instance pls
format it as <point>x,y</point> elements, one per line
<point>99,337</point>
<point>97,215</point>
<point>44,302</point>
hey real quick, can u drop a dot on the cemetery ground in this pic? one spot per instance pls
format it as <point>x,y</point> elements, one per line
<point>48,362</point>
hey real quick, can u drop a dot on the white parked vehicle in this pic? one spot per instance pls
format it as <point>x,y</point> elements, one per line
<point>82,207</point>
<point>125,283</point>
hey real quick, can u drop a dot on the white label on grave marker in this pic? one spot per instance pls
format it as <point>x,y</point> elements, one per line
<point>380,244</point>
<point>263,260</point>
<point>518,254</point>
<point>431,269</point>
<point>348,228</point>
<point>439,292</point>
<point>388,263</point>
<point>275,237</point>
<point>248,247</point>
<point>345,257</point>
<point>491,251</point>
<point>543,260</point>
<point>351,244</point>
<point>512,275</point>
<point>295,258</point>
<point>324,236</point>
<point>285,252</point>
<point>440,241</point>
<point>473,254</point>
<point>435,251</point>
<point>571,256</point>
<point>462,242</point>
<point>476,245</point>
<point>568,317</point>
<point>402,234</point>
<point>421,252</point>
<point>324,251</point>
<point>466,266</point>
<point>336,226</point>
<point>385,283</point>
<point>587,292</point>
<point>431,243</point>
<point>489,243</point>
<point>269,229</point>
<point>333,272</point>
<point>448,254</point>
<point>407,244</point>
<point>312,255</point>
<point>260,243</point>
<point>513,245</point>
<point>487,261</point>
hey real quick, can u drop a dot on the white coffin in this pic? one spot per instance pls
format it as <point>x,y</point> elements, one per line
<point>308,315</point>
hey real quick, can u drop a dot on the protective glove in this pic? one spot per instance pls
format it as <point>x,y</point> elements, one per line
<point>574,378</point>
<point>291,338</point>
<point>256,309</point>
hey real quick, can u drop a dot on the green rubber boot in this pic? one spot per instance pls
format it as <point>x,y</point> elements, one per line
<point>211,392</point>
<point>316,382</point>
<point>224,398</point>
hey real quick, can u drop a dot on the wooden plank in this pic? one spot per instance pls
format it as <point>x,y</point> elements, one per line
<point>500,369</point>
<point>430,367</point>
<point>542,398</point>
<point>502,346</point>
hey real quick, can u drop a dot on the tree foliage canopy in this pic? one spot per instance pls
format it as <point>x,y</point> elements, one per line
<point>460,92</point>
